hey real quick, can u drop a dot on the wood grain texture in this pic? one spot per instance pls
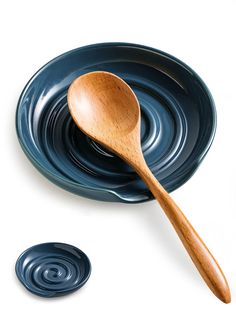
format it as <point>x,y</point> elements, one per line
<point>106,109</point>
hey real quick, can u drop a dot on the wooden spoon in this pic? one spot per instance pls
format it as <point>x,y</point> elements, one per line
<point>106,109</point>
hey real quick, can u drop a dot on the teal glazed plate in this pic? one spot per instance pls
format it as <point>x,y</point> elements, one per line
<point>177,127</point>
<point>53,269</point>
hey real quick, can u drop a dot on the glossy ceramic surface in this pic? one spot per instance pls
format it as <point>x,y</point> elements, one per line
<point>178,122</point>
<point>53,269</point>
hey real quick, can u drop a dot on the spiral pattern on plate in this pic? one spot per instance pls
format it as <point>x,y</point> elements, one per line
<point>53,269</point>
<point>177,125</point>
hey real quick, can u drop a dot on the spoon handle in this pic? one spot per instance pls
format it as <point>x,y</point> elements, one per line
<point>197,250</point>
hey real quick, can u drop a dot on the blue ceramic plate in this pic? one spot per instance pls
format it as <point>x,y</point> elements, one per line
<point>53,269</point>
<point>178,122</point>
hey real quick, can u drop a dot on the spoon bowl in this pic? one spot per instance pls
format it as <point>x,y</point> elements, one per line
<point>98,104</point>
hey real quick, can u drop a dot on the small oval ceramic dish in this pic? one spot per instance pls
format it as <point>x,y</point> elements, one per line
<point>53,269</point>
<point>177,127</point>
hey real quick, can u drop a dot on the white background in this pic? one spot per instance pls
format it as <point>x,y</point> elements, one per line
<point>139,265</point>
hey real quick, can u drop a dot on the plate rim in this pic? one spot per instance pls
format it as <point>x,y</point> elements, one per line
<point>66,183</point>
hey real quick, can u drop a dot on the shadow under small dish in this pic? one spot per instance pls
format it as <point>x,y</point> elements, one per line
<point>53,269</point>
<point>177,126</point>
